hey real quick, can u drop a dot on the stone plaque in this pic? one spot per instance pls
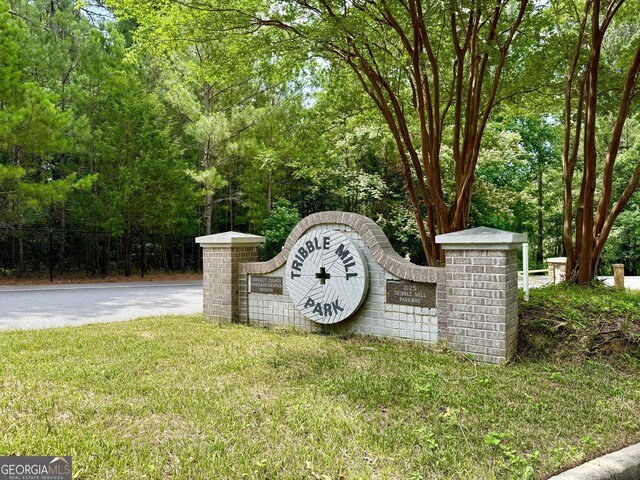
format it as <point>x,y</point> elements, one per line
<point>410,293</point>
<point>261,284</point>
<point>327,276</point>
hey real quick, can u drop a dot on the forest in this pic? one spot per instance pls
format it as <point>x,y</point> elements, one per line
<point>128,128</point>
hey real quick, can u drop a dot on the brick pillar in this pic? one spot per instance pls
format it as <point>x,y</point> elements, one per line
<point>482,292</point>
<point>221,255</point>
<point>557,269</point>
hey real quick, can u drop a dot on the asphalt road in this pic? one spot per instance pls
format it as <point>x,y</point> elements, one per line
<point>44,306</point>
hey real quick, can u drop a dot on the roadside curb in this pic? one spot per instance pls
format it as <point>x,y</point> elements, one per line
<point>621,465</point>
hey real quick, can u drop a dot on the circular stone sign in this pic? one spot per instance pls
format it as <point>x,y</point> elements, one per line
<point>327,276</point>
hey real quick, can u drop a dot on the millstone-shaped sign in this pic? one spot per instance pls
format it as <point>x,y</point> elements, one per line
<point>327,276</point>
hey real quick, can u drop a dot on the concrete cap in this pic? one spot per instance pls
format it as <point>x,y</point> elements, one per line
<point>556,260</point>
<point>481,238</point>
<point>228,239</point>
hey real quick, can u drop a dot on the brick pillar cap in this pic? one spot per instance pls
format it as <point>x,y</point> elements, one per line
<point>481,238</point>
<point>230,239</point>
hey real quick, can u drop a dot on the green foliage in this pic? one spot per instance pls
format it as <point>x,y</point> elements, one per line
<point>501,197</point>
<point>401,229</point>
<point>124,125</point>
<point>209,180</point>
<point>92,146</point>
<point>277,227</point>
<point>623,245</point>
<point>30,120</point>
<point>34,197</point>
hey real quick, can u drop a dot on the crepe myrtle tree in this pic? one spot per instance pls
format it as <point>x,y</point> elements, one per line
<point>433,69</point>
<point>601,79</point>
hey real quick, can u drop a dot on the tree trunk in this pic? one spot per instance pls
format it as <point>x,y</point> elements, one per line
<point>104,257</point>
<point>126,253</point>
<point>269,181</point>
<point>63,225</point>
<point>586,260</point>
<point>21,264</point>
<point>206,158</point>
<point>208,208</point>
<point>592,229</point>
<point>540,239</point>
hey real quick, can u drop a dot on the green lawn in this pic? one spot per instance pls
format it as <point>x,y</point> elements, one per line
<point>176,397</point>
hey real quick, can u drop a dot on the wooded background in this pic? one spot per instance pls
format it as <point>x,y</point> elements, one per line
<point>155,120</point>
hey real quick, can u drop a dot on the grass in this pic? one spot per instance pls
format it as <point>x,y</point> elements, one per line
<point>177,397</point>
<point>570,321</point>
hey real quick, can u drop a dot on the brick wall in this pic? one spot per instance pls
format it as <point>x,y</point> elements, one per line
<point>222,281</point>
<point>476,294</point>
<point>375,317</point>
<point>482,303</point>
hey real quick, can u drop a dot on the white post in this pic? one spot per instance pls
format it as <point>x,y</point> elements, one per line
<point>525,270</point>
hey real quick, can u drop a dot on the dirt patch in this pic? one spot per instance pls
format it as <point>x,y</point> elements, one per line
<point>545,331</point>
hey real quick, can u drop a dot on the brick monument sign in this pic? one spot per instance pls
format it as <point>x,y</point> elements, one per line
<point>338,273</point>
